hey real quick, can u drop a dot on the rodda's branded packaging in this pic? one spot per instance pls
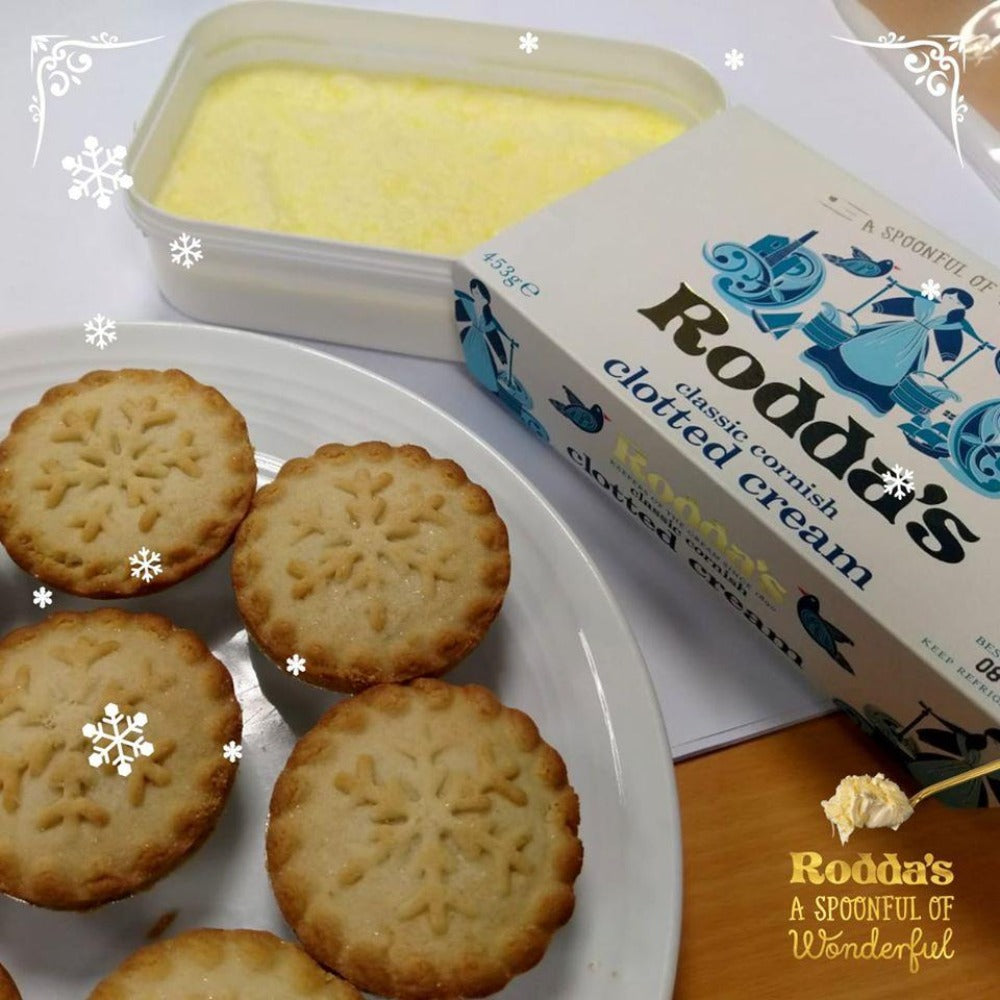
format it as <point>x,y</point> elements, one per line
<point>793,386</point>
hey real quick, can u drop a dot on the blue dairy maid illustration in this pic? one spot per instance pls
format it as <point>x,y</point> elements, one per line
<point>898,347</point>
<point>883,364</point>
<point>489,354</point>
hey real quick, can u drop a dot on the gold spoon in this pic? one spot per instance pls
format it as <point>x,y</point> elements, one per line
<point>958,779</point>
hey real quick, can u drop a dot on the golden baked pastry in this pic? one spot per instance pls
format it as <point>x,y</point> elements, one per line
<point>371,563</point>
<point>423,841</point>
<point>210,964</point>
<point>8,991</point>
<point>112,727</point>
<point>107,472</point>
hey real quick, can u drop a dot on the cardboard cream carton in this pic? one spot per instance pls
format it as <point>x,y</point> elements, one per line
<point>793,386</point>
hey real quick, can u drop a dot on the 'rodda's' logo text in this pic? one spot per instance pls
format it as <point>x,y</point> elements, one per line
<point>793,410</point>
<point>808,868</point>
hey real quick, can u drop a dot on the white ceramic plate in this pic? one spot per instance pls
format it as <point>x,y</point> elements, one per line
<point>560,651</point>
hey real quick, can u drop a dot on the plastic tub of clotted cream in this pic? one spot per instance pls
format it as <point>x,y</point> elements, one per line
<point>331,163</point>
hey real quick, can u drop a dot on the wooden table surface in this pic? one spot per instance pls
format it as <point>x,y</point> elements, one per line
<point>745,809</point>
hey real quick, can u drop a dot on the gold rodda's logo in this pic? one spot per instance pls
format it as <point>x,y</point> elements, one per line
<point>628,456</point>
<point>870,926</point>
<point>808,867</point>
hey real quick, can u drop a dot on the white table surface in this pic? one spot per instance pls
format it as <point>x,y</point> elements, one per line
<point>63,261</point>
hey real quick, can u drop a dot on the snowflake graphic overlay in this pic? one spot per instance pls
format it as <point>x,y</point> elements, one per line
<point>42,597</point>
<point>931,289</point>
<point>733,59</point>
<point>186,250</point>
<point>145,564</point>
<point>118,735</point>
<point>58,62</point>
<point>100,331</point>
<point>528,43</point>
<point>295,665</point>
<point>97,172</point>
<point>232,751</point>
<point>899,482</point>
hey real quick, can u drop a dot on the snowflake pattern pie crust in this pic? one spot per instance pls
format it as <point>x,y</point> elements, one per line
<point>423,837</point>
<point>79,828</point>
<point>375,563</point>
<point>120,461</point>
<point>223,965</point>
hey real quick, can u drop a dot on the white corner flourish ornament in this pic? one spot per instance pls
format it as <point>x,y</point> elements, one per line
<point>937,63</point>
<point>58,62</point>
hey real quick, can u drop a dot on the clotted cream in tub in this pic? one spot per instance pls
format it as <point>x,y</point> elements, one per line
<point>376,272</point>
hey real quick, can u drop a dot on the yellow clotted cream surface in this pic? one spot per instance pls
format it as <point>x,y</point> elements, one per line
<point>394,161</point>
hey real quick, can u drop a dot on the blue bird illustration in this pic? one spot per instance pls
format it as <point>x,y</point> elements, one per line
<point>823,633</point>
<point>587,418</point>
<point>860,264</point>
